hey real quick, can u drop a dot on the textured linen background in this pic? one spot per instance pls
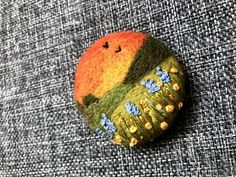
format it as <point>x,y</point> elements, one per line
<point>41,132</point>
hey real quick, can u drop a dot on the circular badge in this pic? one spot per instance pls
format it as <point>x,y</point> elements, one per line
<point>129,87</point>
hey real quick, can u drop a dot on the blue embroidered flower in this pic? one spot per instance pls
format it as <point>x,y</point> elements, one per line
<point>164,76</point>
<point>101,133</point>
<point>107,124</point>
<point>132,109</point>
<point>150,85</point>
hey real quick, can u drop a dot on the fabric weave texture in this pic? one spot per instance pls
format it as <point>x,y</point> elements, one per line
<point>43,134</point>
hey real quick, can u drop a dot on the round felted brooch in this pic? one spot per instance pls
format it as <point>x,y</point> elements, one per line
<point>129,87</point>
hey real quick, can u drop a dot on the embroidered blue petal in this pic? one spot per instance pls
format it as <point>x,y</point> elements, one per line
<point>154,89</point>
<point>107,124</point>
<point>128,108</point>
<point>159,73</point>
<point>132,109</point>
<point>104,115</point>
<point>103,121</point>
<point>142,82</point>
<point>165,77</point>
<point>158,68</point>
<point>148,84</point>
<point>111,128</point>
<point>100,133</point>
<point>151,86</point>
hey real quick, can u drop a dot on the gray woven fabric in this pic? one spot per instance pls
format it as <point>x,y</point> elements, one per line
<point>41,132</point>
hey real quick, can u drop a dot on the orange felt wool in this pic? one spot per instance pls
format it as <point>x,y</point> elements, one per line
<point>103,66</point>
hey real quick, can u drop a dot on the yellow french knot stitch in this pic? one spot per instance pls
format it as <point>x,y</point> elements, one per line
<point>133,142</point>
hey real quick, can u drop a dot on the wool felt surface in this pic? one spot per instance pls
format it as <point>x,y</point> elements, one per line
<point>136,91</point>
<point>41,131</point>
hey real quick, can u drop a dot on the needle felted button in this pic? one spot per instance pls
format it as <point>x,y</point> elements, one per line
<point>129,87</point>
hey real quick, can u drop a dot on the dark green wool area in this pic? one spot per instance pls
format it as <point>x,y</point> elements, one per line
<point>147,58</point>
<point>89,99</point>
